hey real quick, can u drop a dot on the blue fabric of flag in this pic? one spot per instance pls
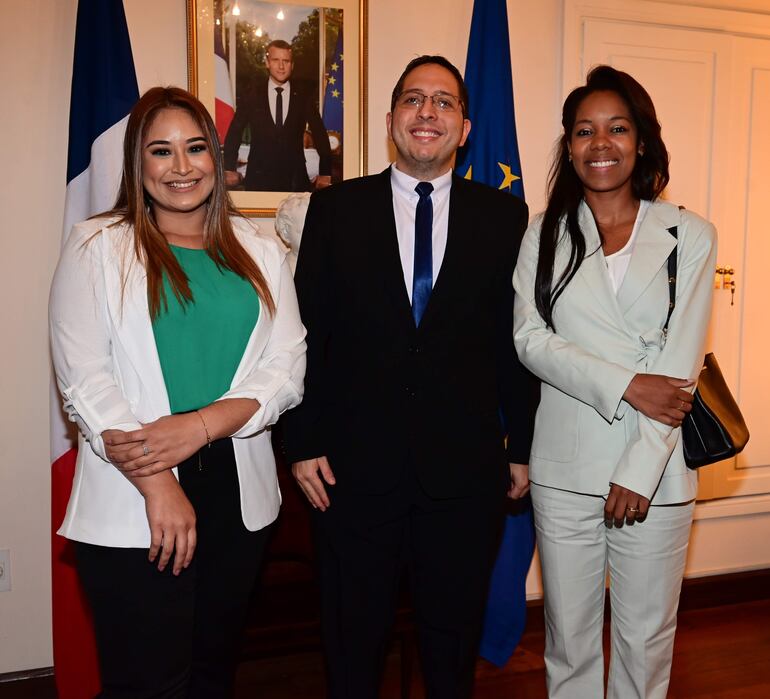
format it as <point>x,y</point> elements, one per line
<point>491,156</point>
<point>333,95</point>
<point>506,613</point>
<point>104,84</point>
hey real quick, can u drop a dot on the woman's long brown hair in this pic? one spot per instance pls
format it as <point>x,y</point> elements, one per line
<point>134,207</point>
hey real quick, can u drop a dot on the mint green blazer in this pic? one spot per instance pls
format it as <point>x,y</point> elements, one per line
<point>586,435</point>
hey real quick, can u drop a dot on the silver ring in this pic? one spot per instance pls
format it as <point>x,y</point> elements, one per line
<point>632,509</point>
<point>146,449</point>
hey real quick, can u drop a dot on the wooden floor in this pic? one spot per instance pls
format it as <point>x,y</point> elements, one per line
<point>720,653</point>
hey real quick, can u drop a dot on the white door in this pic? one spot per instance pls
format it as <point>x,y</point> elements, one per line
<point>712,93</point>
<point>746,239</point>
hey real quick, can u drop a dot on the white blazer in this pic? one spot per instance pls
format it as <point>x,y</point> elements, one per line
<point>108,371</point>
<point>586,436</point>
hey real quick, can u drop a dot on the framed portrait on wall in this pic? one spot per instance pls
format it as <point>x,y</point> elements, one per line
<point>286,85</point>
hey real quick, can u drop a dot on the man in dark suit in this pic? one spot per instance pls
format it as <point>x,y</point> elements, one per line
<point>277,113</point>
<point>405,288</point>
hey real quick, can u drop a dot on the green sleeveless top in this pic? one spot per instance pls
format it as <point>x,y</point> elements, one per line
<point>200,344</point>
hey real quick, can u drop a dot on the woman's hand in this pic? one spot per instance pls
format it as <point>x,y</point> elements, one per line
<point>519,481</point>
<point>624,505</point>
<point>157,446</point>
<point>171,518</point>
<point>660,398</point>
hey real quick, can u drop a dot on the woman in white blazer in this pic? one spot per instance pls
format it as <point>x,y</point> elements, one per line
<point>176,342</point>
<point>610,488</point>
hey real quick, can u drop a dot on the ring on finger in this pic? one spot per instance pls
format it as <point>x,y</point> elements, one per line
<point>145,448</point>
<point>681,405</point>
<point>632,509</point>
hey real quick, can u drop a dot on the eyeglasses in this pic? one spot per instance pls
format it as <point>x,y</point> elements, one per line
<point>441,101</point>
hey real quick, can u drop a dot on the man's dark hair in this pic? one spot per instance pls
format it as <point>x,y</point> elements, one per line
<point>278,44</point>
<point>439,61</point>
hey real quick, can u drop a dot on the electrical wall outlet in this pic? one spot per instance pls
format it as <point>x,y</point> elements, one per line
<point>5,570</point>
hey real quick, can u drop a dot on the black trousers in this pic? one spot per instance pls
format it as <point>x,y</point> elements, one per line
<point>159,635</point>
<point>365,544</point>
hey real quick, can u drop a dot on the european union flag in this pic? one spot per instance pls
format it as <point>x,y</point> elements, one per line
<point>332,110</point>
<point>491,156</point>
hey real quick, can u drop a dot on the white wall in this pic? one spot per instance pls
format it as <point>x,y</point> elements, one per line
<point>36,44</point>
<point>36,40</point>
<point>36,61</point>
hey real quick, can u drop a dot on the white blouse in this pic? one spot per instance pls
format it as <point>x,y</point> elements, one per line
<point>617,262</point>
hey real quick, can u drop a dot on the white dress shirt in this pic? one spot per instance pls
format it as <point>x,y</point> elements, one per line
<point>404,209</point>
<point>272,94</point>
<point>617,262</point>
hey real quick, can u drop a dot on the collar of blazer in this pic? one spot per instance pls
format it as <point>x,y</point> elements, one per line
<point>383,244</point>
<point>452,272</point>
<point>295,98</point>
<point>129,310</point>
<point>651,250</point>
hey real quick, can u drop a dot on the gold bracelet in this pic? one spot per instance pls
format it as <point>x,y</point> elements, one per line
<point>208,436</point>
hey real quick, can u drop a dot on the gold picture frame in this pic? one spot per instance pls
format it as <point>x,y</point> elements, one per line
<point>235,20</point>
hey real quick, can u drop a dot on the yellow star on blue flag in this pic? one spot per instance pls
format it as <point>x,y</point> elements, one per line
<point>508,177</point>
<point>333,94</point>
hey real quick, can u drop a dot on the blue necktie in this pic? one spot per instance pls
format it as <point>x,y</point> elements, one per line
<point>422,283</point>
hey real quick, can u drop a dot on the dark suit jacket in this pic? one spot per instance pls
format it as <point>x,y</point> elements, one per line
<point>277,160</point>
<point>382,395</point>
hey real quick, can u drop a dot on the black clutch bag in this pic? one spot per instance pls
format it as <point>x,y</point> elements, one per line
<point>714,429</point>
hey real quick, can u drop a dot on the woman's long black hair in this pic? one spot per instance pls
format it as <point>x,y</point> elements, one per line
<point>565,190</point>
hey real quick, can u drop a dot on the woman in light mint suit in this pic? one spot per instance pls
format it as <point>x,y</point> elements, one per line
<point>609,483</point>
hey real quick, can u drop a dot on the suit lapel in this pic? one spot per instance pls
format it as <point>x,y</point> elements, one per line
<point>593,271</point>
<point>263,102</point>
<point>294,107</point>
<point>264,98</point>
<point>384,245</point>
<point>454,265</point>
<point>130,313</point>
<point>651,250</point>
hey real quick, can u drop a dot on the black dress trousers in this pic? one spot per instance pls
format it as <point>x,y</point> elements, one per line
<point>165,636</point>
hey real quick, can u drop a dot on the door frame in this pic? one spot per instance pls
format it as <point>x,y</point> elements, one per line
<point>678,16</point>
<point>668,14</point>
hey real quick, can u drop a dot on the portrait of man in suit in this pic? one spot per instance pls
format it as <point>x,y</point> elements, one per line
<point>277,112</point>
<point>413,386</point>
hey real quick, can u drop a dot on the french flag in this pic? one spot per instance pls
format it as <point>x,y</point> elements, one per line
<point>224,103</point>
<point>104,89</point>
